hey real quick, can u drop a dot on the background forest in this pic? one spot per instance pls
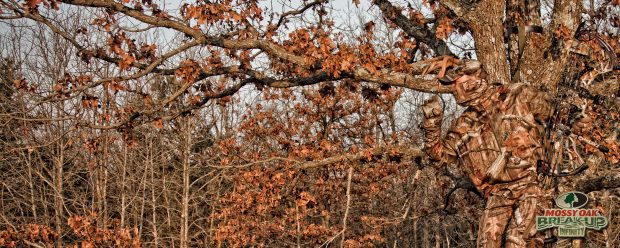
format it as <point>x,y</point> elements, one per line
<point>248,124</point>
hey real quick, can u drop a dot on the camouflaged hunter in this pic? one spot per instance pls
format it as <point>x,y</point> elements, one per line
<point>498,142</point>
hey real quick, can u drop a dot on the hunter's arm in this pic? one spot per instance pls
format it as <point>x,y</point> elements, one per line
<point>431,124</point>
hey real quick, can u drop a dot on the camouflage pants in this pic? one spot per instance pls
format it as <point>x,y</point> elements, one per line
<point>515,202</point>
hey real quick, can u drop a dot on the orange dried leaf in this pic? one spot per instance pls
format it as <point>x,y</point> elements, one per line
<point>19,83</point>
<point>444,28</point>
<point>159,123</point>
<point>563,31</point>
<point>57,87</point>
<point>417,16</point>
<point>148,101</point>
<point>33,3</point>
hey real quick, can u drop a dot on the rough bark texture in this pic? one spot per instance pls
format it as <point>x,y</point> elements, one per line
<point>413,29</point>
<point>485,20</point>
<point>550,49</point>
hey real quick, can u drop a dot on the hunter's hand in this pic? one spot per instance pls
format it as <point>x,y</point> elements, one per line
<point>432,108</point>
<point>431,126</point>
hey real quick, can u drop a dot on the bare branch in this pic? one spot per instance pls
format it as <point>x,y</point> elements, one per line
<point>347,207</point>
<point>407,151</point>
<point>610,181</point>
<point>12,17</point>
<point>417,31</point>
<point>152,20</point>
<point>299,11</point>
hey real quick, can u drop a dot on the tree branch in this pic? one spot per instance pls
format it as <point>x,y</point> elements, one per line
<point>159,106</point>
<point>610,181</point>
<point>417,31</point>
<point>419,83</point>
<point>299,11</point>
<point>423,83</point>
<point>138,15</point>
<point>410,152</point>
<point>146,68</point>
<point>270,48</point>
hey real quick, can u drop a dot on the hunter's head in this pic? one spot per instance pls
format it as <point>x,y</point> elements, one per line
<point>470,90</point>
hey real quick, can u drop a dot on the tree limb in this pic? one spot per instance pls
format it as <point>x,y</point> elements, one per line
<point>610,181</point>
<point>299,11</point>
<point>270,48</point>
<point>417,31</point>
<point>406,80</point>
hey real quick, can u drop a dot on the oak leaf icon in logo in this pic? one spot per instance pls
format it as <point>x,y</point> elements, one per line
<point>571,200</point>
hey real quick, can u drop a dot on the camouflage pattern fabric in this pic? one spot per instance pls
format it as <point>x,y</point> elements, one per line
<point>513,205</point>
<point>498,141</point>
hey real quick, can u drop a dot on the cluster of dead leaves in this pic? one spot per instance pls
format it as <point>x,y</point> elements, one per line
<point>115,86</point>
<point>22,84</point>
<point>319,47</point>
<point>32,5</point>
<point>188,71</point>
<point>90,102</point>
<point>32,233</point>
<point>89,233</point>
<point>211,13</point>
<point>444,28</point>
<point>315,128</point>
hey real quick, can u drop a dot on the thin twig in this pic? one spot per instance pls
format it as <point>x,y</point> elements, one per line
<point>346,212</point>
<point>299,11</point>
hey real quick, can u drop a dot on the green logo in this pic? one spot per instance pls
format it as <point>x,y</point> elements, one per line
<point>571,200</point>
<point>570,220</point>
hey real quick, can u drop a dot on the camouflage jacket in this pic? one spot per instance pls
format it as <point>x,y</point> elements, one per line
<point>497,139</point>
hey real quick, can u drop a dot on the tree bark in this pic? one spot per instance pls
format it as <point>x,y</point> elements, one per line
<point>58,183</point>
<point>485,20</point>
<point>550,49</point>
<point>611,181</point>
<point>187,143</point>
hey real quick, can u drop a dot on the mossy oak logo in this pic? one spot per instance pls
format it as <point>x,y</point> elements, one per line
<point>570,220</point>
